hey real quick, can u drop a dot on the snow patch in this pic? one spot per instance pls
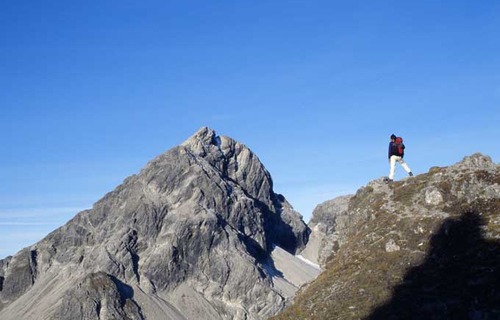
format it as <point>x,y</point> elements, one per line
<point>309,262</point>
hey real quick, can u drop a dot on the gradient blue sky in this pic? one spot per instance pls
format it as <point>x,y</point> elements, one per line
<point>90,91</point>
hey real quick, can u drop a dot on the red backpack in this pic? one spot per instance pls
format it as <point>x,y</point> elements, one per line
<point>400,147</point>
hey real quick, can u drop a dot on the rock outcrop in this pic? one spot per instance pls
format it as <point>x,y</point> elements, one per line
<point>426,247</point>
<point>189,237</point>
<point>329,223</point>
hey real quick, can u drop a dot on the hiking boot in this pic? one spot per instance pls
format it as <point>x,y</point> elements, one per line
<point>410,173</point>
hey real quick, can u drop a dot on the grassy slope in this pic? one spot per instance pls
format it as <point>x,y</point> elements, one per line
<point>448,254</point>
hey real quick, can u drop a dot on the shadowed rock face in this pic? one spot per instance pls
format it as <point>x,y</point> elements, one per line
<point>193,230</point>
<point>426,247</point>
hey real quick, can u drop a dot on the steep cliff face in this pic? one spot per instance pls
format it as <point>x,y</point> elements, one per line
<point>189,237</point>
<point>427,247</point>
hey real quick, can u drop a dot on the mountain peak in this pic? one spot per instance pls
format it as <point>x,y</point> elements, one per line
<point>204,139</point>
<point>191,236</point>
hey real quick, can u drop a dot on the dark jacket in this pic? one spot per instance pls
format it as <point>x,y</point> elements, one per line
<point>393,150</point>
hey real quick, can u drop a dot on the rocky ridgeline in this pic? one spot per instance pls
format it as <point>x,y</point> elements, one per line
<point>426,247</point>
<point>189,237</point>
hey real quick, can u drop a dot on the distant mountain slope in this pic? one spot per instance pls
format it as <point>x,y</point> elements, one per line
<point>427,247</point>
<point>189,237</point>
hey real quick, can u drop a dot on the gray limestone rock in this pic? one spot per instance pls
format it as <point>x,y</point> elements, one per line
<point>99,296</point>
<point>328,223</point>
<point>391,246</point>
<point>433,196</point>
<point>201,220</point>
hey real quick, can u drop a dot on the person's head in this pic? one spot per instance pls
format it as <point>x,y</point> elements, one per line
<point>393,137</point>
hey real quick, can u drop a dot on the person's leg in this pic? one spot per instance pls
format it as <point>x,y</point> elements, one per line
<point>393,167</point>
<point>405,166</point>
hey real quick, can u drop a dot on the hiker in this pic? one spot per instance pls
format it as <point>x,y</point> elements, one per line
<point>396,154</point>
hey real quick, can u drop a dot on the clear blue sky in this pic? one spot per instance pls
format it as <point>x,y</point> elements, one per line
<point>90,91</point>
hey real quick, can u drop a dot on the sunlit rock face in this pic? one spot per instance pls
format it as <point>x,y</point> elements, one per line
<point>189,237</point>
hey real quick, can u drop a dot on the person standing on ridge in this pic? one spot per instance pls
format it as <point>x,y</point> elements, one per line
<point>396,154</point>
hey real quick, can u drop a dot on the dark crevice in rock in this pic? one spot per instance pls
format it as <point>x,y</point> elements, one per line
<point>33,265</point>
<point>98,307</point>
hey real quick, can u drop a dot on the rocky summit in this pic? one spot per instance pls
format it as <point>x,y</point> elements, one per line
<point>426,247</point>
<point>198,234</point>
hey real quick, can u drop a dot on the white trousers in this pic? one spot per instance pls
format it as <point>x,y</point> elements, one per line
<point>393,161</point>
